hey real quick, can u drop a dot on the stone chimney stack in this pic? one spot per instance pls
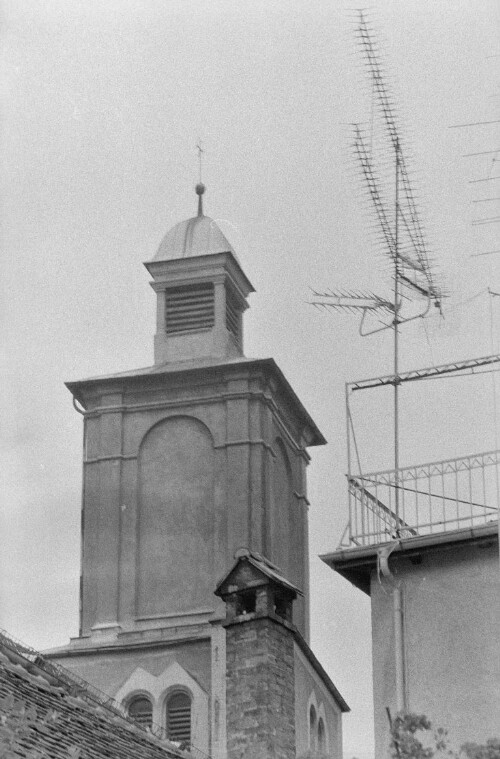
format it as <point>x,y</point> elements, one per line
<point>260,677</point>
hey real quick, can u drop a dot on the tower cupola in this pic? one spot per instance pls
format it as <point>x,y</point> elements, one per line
<point>201,292</point>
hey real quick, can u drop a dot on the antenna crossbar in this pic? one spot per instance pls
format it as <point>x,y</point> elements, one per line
<point>417,374</point>
<point>351,301</point>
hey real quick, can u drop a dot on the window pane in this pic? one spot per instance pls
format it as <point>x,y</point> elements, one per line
<point>179,717</point>
<point>141,710</point>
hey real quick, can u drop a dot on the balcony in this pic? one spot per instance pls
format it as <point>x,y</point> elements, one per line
<point>440,496</point>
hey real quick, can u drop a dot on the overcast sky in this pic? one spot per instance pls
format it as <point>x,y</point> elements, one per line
<point>103,104</point>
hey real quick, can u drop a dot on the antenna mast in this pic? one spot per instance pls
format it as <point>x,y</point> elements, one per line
<point>396,335</point>
<point>402,236</point>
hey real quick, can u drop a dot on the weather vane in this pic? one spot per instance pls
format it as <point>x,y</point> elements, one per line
<point>200,149</point>
<point>200,187</point>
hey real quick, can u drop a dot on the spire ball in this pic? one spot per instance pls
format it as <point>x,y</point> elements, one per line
<point>200,189</point>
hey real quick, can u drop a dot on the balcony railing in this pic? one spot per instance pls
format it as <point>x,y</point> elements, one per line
<point>419,500</point>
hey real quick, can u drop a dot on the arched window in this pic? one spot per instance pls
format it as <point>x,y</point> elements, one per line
<point>321,736</point>
<point>312,727</point>
<point>141,711</point>
<point>179,717</point>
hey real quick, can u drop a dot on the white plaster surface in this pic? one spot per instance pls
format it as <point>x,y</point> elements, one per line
<point>451,630</point>
<point>310,690</point>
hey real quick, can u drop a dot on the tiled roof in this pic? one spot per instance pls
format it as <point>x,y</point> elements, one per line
<point>57,722</point>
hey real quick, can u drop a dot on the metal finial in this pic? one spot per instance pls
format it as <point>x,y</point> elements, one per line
<point>200,189</point>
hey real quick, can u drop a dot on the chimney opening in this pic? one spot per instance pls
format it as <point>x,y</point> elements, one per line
<point>246,603</point>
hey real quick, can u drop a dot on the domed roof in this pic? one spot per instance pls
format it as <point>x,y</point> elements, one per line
<point>199,236</point>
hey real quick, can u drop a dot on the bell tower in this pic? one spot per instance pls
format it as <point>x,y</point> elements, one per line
<point>184,462</point>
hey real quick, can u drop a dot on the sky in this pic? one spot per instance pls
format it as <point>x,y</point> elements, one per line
<point>103,104</point>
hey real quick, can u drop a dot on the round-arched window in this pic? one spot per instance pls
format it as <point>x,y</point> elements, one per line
<point>321,735</point>
<point>141,711</point>
<point>179,717</point>
<point>312,727</point>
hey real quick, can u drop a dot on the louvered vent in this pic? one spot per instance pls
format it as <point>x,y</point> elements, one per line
<point>141,711</point>
<point>232,315</point>
<point>179,717</point>
<point>190,308</point>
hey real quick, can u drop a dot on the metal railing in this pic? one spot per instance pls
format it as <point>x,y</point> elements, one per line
<point>435,497</point>
<point>77,686</point>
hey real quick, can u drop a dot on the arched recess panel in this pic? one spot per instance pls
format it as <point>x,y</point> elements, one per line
<point>282,511</point>
<point>175,520</point>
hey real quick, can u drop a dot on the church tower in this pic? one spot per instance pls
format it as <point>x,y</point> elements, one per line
<point>185,462</point>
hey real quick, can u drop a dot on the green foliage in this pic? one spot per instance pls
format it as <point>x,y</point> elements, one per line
<point>432,743</point>
<point>20,725</point>
<point>491,750</point>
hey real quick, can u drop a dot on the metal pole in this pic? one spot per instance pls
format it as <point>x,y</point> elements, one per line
<point>396,341</point>
<point>348,430</point>
<point>399,646</point>
<point>399,652</point>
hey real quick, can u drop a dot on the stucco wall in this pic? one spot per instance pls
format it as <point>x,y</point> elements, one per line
<point>178,474</point>
<point>288,522</point>
<point>153,672</point>
<point>309,690</point>
<point>175,505</point>
<point>108,670</point>
<point>451,630</point>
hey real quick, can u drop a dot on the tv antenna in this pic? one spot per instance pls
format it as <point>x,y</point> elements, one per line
<point>402,237</point>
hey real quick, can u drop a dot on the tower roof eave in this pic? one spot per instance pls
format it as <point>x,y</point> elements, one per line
<point>198,264</point>
<point>114,382</point>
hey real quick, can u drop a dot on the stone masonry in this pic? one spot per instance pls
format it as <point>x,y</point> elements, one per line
<point>260,689</point>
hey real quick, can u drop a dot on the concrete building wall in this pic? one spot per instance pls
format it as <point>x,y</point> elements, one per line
<point>451,602</point>
<point>310,691</point>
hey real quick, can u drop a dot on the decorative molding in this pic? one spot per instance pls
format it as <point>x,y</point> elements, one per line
<point>218,693</point>
<point>245,441</point>
<point>176,615</point>
<point>116,457</point>
<point>199,401</point>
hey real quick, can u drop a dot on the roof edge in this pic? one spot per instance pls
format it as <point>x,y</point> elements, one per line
<point>355,564</point>
<point>262,565</point>
<point>190,261</point>
<point>269,364</point>
<point>318,668</point>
